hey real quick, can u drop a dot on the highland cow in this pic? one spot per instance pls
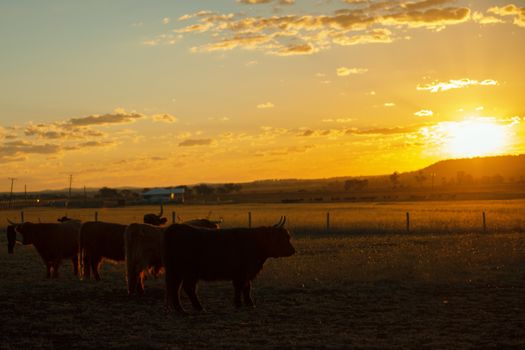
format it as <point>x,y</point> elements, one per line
<point>191,254</point>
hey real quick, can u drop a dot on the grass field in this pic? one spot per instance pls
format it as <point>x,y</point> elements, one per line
<point>446,285</point>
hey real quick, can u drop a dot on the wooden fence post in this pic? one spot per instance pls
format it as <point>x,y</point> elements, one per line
<point>96,216</point>
<point>484,222</point>
<point>250,219</point>
<point>173,217</point>
<point>408,222</point>
<point>22,216</point>
<point>327,221</point>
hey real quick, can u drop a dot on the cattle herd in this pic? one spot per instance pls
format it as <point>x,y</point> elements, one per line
<point>194,250</point>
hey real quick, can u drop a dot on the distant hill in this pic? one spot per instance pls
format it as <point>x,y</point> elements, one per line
<point>509,167</point>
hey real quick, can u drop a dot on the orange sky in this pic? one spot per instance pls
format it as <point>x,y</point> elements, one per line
<point>119,94</point>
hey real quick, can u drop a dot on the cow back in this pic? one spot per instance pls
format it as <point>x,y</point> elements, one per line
<point>102,239</point>
<point>212,254</point>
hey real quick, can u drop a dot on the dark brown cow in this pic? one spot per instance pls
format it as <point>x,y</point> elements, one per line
<point>143,246</point>
<point>53,242</point>
<point>98,241</point>
<point>11,238</point>
<point>191,254</point>
<point>154,219</point>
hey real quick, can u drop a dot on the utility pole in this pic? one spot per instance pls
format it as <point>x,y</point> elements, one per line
<point>11,193</point>
<point>70,183</point>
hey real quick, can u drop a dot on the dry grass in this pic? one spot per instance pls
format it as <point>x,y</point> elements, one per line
<point>339,291</point>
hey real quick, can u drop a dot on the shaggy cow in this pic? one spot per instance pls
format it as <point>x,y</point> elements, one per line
<point>97,241</point>
<point>154,219</point>
<point>11,238</point>
<point>143,253</point>
<point>192,254</point>
<point>53,242</point>
<point>143,247</point>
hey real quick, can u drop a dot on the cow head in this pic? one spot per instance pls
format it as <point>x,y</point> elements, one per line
<point>154,219</point>
<point>276,240</point>
<point>24,233</point>
<point>14,235</point>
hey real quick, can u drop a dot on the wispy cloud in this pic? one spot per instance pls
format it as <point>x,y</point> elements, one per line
<point>345,71</point>
<point>424,113</point>
<point>195,142</point>
<point>293,34</point>
<point>265,105</point>
<point>510,10</point>
<point>455,84</point>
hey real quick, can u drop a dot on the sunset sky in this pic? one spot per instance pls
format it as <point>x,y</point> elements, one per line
<point>158,93</point>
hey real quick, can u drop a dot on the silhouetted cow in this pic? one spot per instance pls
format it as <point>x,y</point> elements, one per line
<point>97,241</point>
<point>11,238</point>
<point>191,254</point>
<point>143,247</point>
<point>154,219</point>
<point>143,244</point>
<point>53,242</point>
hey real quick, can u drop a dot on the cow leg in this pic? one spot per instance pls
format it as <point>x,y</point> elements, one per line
<point>55,265</point>
<point>86,267</point>
<point>131,277</point>
<point>48,269</point>
<point>190,287</point>
<point>74,260</point>
<point>246,294</point>
<point>95,262</point>
<point>140,283</point>
<point>173,286</point>
<point>238,286</point>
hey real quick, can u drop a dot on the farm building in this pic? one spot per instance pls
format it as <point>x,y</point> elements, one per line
<point>163,195</point>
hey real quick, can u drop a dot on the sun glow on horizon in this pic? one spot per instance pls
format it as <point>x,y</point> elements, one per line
<point>475,137</point>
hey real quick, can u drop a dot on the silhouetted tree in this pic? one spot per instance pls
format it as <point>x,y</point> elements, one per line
<point>106,192</point>
<point>394,179</point>
<point>203,190</point>
<point>420,178</point>
<point>355,184</point>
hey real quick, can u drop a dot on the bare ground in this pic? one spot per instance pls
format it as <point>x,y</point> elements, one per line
<point>349,292</point>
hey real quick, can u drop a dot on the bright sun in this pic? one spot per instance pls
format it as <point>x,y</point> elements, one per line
<point>474,137</point>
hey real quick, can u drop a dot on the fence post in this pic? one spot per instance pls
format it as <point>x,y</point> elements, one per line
<point>173,217</point>
<point>484,222</point>
<point>250,219</point>
<point>408,222</point>
<point>327,221</point>
<point>22,216</point>
<point>96,216</point>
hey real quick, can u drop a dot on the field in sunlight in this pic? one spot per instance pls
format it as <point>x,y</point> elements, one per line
<point>451,288</point>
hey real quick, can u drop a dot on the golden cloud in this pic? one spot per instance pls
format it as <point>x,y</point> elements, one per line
<point>510,10</point>
<point>292,34</point>
<point>345,71</point>
<point>455,84</point>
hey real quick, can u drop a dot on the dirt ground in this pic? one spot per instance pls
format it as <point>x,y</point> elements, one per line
<point>451,291</point>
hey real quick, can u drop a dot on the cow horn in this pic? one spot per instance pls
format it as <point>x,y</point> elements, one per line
<point>277,225</point>
<point>11,223</point>
<point>284,221</point>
